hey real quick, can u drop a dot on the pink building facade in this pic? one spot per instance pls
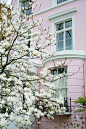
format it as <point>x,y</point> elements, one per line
<point>67,20</point>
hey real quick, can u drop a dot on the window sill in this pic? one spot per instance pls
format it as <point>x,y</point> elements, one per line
<point>66,113</point>
<point>76,54</point>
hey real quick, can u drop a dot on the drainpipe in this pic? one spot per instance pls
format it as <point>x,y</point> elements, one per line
<point>84,79</point>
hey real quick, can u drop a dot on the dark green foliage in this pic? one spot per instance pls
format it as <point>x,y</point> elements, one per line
<point>81,117</point>
<point>79,110</point>
<point>81,100</point>
<point>71,124</point>
<point>78,125</point>
<point>82,127</point>
<point>83,122</point>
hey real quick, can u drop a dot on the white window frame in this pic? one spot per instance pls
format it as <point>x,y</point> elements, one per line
<point>58,88</point>
<point>64,30</point>
<point>62,17</point>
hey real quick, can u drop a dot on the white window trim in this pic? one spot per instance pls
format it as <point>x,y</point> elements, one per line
<point>64,30</point>
<point>61,17</point>
<point>57,88</point>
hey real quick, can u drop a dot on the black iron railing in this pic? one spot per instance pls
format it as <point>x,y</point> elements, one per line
<point>67,104</point>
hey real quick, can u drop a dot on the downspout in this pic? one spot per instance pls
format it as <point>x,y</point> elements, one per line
<point>84,79</point>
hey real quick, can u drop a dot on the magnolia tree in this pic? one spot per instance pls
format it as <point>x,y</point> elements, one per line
<point>21,94</point>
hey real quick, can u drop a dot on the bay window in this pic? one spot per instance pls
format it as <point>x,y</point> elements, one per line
<point>61,83</point>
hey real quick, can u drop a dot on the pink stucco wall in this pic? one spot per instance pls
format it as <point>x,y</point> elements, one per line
<point>77,81</point>
<point>41,5</point>
<point>80,19</point>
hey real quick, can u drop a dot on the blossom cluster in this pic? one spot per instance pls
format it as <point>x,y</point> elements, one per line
<point>21,91</point>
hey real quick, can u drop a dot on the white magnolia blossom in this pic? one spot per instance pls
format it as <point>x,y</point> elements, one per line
<point>23,93</point>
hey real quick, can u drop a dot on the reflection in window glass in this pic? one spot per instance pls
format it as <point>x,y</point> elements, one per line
<point>64,36</point>
<point>68,34</point>
<point>60,36</point>
<point>59,26</point>
<point>68,40</point>
<point>54,71</point>
<point>68,24</point>
<point>60,1</point>
<point>62,70</point>
<point>60,46</point>
<point>64,0</point>
<point>68,44</point>
<point>28,9</point>
<point>60,41</point>
<point>23,4</point>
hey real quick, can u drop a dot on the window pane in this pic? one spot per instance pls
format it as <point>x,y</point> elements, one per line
<point>28,47</point>
<point>62,92</point>
<point>65,69</point>
<point>60,36</point>
<point>28,3</point>
<point>68,44</point>
<point>60,41</point>
<point>68,34</point>
<point>59,26</point>
<point>27,12</point>
<point>28,7</point>
<point>68,40</point>
<point>60,1</point>
<point>64,0</point>
<point>24,11</point>
<point>54,71</point>
<point>23,4</point>
<point>68,24</point>
<point>60,46</point>
<point>30,10</point>
<point>62,70</point>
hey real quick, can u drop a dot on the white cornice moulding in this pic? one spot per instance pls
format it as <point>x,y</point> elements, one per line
<point>69,54</point>
<point>62,13</point>
<point>53,7</point>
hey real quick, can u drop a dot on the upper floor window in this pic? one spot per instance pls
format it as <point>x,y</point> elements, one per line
<point>26,4</point>
<point>64,36</point>
<point>60,1</point>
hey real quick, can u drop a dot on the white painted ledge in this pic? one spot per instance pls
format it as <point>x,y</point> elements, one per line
<point>72,10</point>
<point>74,54</point>
<point>66,113</point>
